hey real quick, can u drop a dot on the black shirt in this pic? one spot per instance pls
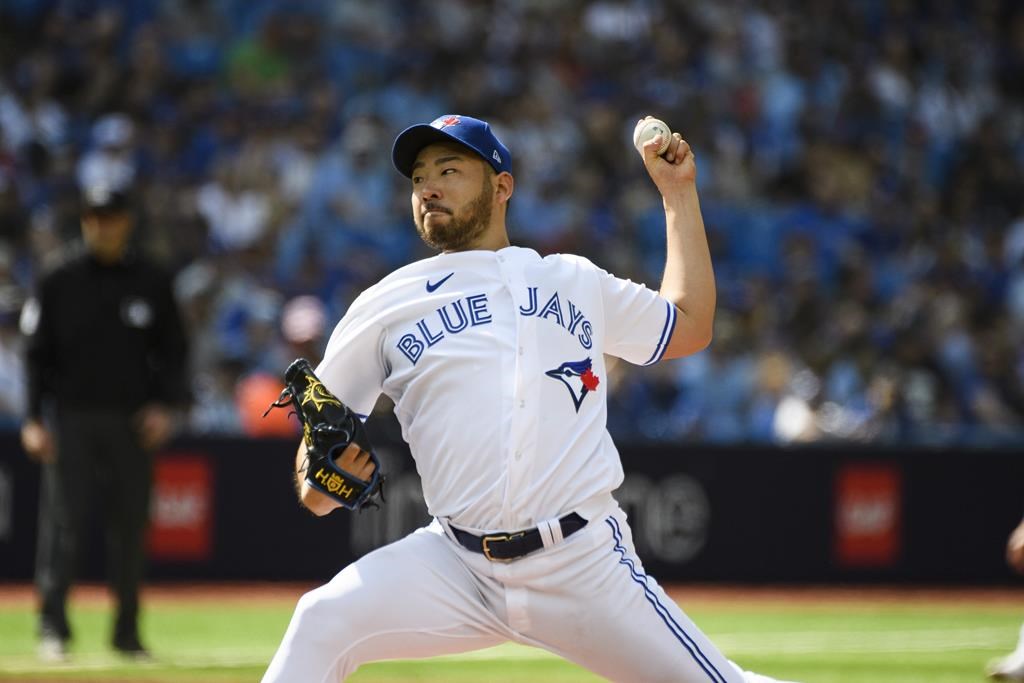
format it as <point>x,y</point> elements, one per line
<point>106,337</point>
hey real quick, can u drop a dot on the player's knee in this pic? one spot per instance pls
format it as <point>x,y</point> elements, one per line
<point>313,646</point>
<point>320,615</point>
<point>307,604</point>
<point>312,619</point>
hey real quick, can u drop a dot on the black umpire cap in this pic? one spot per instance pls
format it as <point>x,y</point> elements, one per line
<point>102,199</point>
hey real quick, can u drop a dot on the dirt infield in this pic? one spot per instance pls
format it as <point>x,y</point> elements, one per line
<point>21,594</point>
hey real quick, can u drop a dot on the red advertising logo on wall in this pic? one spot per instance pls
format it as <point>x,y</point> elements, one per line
<point>181,526</point>
<point>868,515</point>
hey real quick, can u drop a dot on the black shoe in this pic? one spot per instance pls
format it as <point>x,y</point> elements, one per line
<point>131,648</point>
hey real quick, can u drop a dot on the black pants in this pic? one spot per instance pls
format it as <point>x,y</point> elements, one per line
<point>101,468</point>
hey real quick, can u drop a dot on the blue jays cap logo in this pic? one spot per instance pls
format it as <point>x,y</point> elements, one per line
<point>445,121</point>
<point>465,130</point>
<point>577,377</point>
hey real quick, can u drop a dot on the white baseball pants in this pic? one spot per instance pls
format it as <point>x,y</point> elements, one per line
<point>587,600</point>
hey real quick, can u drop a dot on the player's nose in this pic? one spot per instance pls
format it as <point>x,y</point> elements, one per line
<point>428,190</point>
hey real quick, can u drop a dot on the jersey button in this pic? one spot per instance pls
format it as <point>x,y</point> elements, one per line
<point>519,455</point>
<point>522,404</point>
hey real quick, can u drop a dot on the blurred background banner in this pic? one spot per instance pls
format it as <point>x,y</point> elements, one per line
<point>700,513</point>
<point>181,524</point>
<point>868,514</point>
<point>860,412</point>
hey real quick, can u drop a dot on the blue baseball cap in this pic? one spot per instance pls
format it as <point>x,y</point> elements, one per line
<point>465,130</point>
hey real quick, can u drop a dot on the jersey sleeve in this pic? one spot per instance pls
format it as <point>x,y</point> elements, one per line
<point>638,322</point>
<point>353,368</point>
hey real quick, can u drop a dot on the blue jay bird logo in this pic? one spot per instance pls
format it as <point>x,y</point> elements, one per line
<point>577,377</point>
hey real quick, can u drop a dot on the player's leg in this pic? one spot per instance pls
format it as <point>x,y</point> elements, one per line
<point>610,617</point>
<point>413,598</point>
<point>1010,667</point>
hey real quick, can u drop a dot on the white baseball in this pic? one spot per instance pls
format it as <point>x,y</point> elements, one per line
<point>651,128</point>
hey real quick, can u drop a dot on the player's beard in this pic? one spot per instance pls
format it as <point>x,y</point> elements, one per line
<point>459,233</point>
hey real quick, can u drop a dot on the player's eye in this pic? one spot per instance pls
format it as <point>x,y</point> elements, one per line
<point>416,179</point>
<point>447,171</point>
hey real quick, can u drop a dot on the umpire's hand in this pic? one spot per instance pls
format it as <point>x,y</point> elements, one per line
<point>155,424</point>
<point>37,441</point>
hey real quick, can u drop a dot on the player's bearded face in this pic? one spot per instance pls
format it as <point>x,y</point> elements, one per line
<point>445,229</point>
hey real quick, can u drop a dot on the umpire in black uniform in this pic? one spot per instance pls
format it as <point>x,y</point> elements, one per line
<point>106,362</point>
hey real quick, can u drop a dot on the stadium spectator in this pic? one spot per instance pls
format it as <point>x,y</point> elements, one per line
<point>861,180</point>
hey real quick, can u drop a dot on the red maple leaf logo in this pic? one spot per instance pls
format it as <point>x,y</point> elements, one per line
<point>451,121</point>
<point>590,380</point>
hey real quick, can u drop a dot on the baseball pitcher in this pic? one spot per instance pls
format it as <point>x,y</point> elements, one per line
<point>495,359</point>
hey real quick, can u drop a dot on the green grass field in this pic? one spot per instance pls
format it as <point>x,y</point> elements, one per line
<point>869,637</point>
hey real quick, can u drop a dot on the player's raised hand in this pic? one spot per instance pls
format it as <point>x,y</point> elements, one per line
<point>674,168</point>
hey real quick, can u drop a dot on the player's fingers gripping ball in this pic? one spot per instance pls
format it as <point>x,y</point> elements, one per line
<point>328,428</point>
<point>648,129</point>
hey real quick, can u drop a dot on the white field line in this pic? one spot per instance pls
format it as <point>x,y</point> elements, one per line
<point>854,642</point>
<point>735,644</point>
<point>220,658</point>
<point>815,642</point>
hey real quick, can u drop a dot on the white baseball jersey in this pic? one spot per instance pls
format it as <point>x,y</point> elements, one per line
<point>495,363</point>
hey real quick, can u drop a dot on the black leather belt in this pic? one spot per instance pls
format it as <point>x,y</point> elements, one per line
<point>503,547</point>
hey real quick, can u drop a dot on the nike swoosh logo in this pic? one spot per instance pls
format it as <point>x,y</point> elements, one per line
<point>431,286</point>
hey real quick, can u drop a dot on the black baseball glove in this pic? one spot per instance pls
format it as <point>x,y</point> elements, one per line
<point>328,427</point>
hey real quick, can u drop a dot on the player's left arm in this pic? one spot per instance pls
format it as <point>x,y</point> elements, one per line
<point>353,459</point>
<point>689,280</point>
<point>351,370</point>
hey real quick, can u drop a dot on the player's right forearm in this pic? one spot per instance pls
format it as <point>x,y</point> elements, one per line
<point>689,280</point>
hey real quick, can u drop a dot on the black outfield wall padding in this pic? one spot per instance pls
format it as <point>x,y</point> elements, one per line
<point>225,509</point>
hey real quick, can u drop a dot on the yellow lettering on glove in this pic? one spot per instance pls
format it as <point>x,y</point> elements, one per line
<point>334,483</point>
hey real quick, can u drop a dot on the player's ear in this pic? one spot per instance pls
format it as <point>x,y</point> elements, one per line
<point>504,186</point>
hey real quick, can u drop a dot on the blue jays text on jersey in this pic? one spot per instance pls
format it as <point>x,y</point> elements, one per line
<point>514,345</point>
<point>471,311</point>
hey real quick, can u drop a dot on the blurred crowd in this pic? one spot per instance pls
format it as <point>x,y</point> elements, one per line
<point>861,168</point>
